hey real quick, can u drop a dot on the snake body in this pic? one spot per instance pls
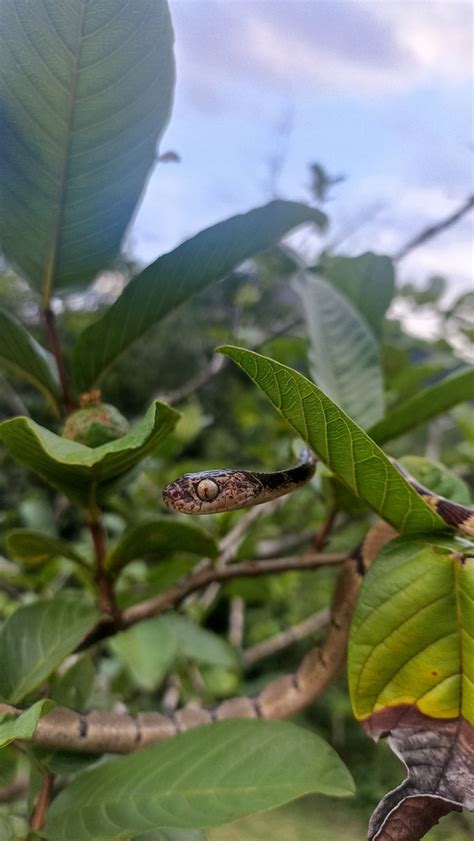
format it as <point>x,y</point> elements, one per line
<point>214,491</point>
<point>114,732</point>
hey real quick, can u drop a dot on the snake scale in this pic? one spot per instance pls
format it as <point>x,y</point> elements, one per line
<point>222,490</point>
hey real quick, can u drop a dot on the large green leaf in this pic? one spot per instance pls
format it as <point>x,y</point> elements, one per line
<point>21,354</point>
<point>37,638</point>
<point>344,354</point>
<point>24,726</point>
<point>427,404</point>
<point>86,93</point>
<point>368,281</point>
<point>174,277</point>
<point>161,538</point>
<point>33,548</point>
<point>208,776</point>
<point>81,473</point>
<point>411,639</point>
<point>346,449</point>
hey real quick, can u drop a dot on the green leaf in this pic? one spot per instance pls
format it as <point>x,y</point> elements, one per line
<point>208,776</point>
<point>36,639</point>
<point>20,353</point>
<point>74,687</point>
<point>33,548</point>
<point>368,281</point>
<point>427,404</point>
<point>147,650</point>
<point>411,641</point>
<point>86,94</point>
<point>24,726</point>
<point>159,539</point>
<point>346,449</point>
<point>199,644</point>
<point>174,277</point>
<point>344,354</point>
<point>83,474</point>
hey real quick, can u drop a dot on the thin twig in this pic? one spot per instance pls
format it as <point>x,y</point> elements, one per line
<point>202,578</point>
<point>55,347</point>
<point>42,804</point>
<point>322,535</point>
<point>190,386</point>
<point>282,640</point>
<point>236,621</point>
<point>217,363</point>
<point>434,230</point>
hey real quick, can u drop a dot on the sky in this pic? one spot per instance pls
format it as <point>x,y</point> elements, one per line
<point>380,91</point>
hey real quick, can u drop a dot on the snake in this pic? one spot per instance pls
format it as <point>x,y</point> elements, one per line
<point>215,491</point>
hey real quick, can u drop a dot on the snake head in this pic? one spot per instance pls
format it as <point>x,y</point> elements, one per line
<point>212,491</point>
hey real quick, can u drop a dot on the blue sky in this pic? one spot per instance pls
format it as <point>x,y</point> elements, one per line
<point>379,90</point>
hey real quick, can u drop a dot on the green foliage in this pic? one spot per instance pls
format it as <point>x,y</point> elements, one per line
<point>158,539</point>
<point>33,548</point>
<point>83,474</point>
<point>231,769</point>
<point>353,457</point>
<point>149,649</point>
<point>174,277</point>
<point>411,637</point>
<point>36,639</point>
<point>425,405</point>
<point>344,355</point>
<point>21,354</point>
<point>74,687</point>
<point>80,121</point>
<point>83,110</point>
<point>368,281</point>
<point>24,726</point>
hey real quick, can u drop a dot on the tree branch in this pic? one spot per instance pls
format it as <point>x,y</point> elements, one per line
<point>201,578</point>
<point>287,637</point>
<point>434,230</point>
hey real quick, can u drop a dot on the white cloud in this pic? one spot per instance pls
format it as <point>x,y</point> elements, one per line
<point>355,47</point>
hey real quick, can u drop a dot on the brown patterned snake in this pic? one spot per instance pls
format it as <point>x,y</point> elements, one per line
<point>219,490</point>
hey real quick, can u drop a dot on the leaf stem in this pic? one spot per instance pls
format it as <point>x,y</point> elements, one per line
<point>107,601</point>
<point>42,804</point>
<point>55,347</point>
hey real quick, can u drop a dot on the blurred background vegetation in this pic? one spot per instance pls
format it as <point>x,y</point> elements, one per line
<point>226,422</point>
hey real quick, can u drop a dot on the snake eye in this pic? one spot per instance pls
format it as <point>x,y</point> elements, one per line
<point>207,489</point>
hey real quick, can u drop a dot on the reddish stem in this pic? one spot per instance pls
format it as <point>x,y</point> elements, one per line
<point>55,347</point>
<point>103,577</point>
<point>322,535</point>
<point>44,799</point>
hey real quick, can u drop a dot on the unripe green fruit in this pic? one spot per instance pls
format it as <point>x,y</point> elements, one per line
<point>95,425</point>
